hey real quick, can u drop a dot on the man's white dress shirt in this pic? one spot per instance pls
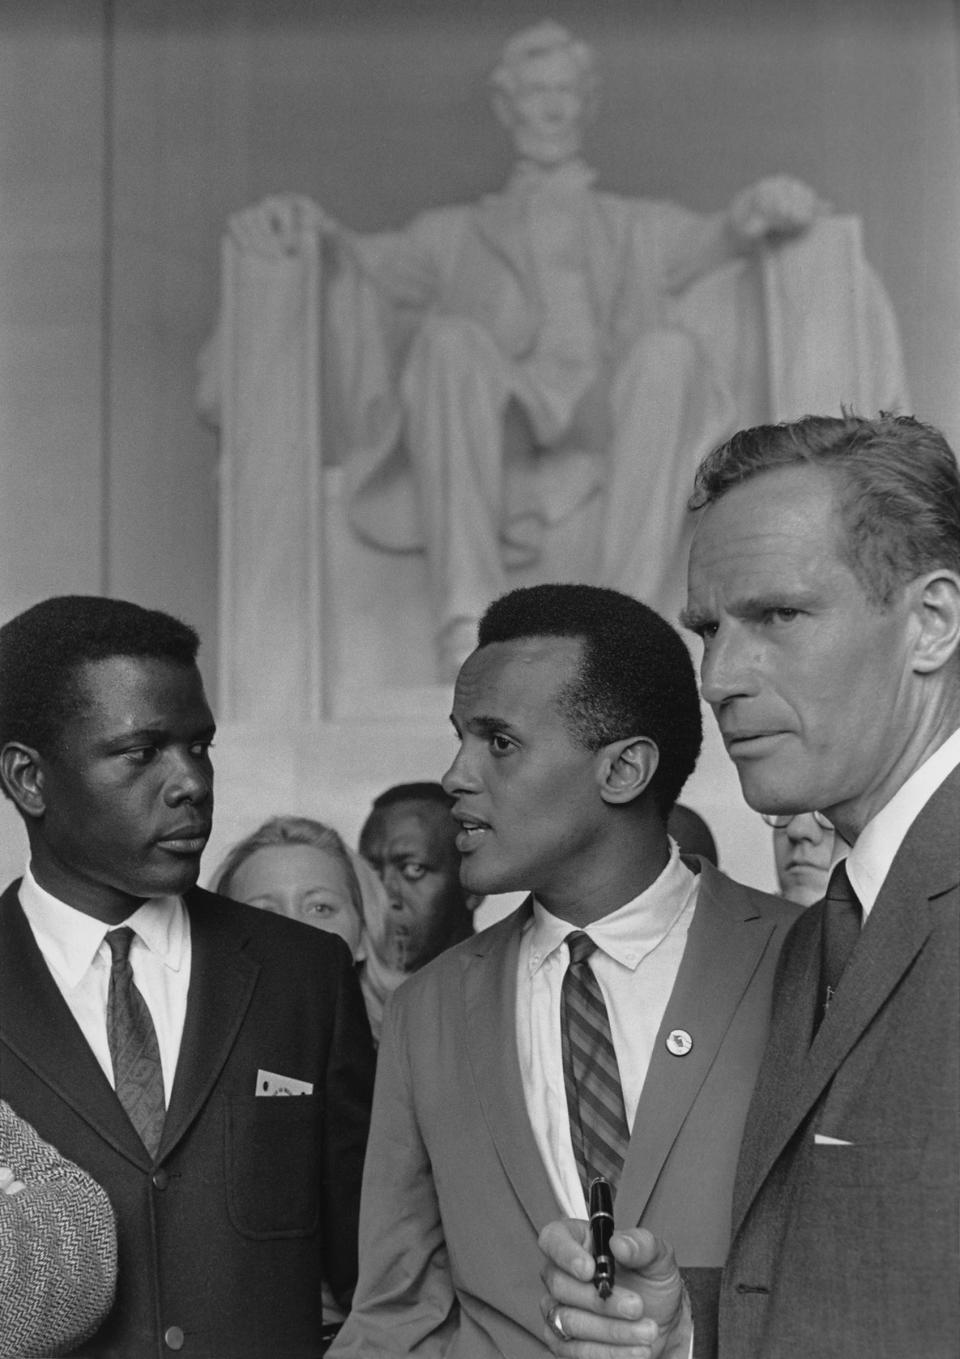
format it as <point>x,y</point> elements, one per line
<point>74,949</point>
<point>639,948</point>
<point>876,847</point>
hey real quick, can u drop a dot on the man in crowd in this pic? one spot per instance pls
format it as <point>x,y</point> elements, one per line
<point>825,585</point>
<point>579,723</point>
<point>144,1023</point>
<point>410,839</point>
<point>805,846</point>
<point>58,1246</point>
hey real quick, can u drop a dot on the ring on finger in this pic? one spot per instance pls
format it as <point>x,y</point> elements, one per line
<point>555,1324</point>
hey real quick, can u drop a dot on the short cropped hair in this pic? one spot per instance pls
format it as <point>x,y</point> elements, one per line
<point>540,41</point>
<point>282,831</point>
<point>897,483</point>
<point>635,678</point>
<point>412,792</point>
<point>43,650</point>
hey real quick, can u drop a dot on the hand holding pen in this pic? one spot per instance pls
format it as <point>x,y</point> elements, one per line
<point>601,1230</point>
<point>646,1310</point>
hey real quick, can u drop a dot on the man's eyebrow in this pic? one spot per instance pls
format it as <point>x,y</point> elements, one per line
<point>753,606</point>
<point>159,733</point>
<point>481,724</point>
<point>406,847</point>
<point>145,733</point>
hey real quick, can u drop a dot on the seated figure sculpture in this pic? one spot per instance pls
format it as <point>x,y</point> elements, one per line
<point>502,363</point>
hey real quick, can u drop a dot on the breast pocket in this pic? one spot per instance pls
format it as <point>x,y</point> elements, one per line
<point>865,1167</point>
<point>272,1150</point>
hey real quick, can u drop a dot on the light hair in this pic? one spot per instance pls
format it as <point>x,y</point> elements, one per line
<point>897,485</point>
<point>288,830</point>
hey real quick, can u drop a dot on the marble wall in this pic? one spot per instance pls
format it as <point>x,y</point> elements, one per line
<point>129,129</point>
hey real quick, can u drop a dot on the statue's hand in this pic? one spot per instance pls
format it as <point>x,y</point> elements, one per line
<point>277,225</point>
<point>775,206</point>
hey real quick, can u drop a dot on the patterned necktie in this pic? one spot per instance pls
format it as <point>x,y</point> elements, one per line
<point>134,1051</point>
<point>841,930</point>
<point>598,1122</point>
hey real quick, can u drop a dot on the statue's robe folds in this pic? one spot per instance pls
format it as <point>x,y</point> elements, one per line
<point>802,326</point>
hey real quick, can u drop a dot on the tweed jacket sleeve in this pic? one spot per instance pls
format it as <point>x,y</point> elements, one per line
<point>58,1250</point>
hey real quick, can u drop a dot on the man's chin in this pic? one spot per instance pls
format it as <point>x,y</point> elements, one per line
<point>480,883</point>
<point>763,793</point>
<point>174,881</point>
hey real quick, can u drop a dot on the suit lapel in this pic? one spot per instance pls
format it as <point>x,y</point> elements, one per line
<point>725,943</point>
<point>222,982</point>
<point>775,1109</point>
<point>489,1009</point>
<point>795,1073</point>
<point>38,1026</point>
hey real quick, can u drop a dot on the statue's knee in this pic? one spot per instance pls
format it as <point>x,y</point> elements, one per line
<point>451,337</point>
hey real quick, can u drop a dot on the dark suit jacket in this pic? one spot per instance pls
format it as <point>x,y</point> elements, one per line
<point>225,1237</point>
<point>852,1250</point>
<point>455,1193</point>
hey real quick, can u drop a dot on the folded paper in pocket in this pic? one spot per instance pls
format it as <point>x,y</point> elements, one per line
<point>270,1083</point>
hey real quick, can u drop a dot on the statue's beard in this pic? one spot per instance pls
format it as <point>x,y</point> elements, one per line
<point>548,148</point>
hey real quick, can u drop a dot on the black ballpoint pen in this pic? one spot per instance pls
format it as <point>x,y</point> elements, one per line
<point>601,1229</point>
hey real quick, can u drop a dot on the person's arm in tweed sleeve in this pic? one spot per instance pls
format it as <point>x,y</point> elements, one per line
<point>58,1249</point>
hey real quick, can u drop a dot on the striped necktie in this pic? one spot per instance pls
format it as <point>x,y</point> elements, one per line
<point>598,1122</point>
<point>134,1050</point>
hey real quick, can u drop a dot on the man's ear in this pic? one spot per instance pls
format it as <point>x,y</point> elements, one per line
<point>21,769</point>
<point>626,767</point>
<point>937,605</point>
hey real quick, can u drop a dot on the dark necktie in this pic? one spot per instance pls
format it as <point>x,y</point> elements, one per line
<point>598,1122</point>
<point>841,930</point>
<point>134,1051</point>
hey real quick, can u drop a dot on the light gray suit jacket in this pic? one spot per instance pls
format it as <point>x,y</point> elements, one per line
<point>853,1248</point>
<point>455,1192</point>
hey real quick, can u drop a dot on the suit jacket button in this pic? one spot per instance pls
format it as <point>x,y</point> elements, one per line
<point>173,1338</point>
<point>160,1179</point>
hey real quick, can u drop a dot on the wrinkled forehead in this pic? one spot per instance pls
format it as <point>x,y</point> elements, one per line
<point>789,512</point>
<point>410,823</point>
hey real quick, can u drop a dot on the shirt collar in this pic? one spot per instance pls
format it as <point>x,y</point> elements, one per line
<point>630,932</point>
<point>869,861</point>
<point>69,939</point>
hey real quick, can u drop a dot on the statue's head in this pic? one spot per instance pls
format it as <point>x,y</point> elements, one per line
<point>544,90</point>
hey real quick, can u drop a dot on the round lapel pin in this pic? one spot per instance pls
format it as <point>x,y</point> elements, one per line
<point>679,1042</point>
